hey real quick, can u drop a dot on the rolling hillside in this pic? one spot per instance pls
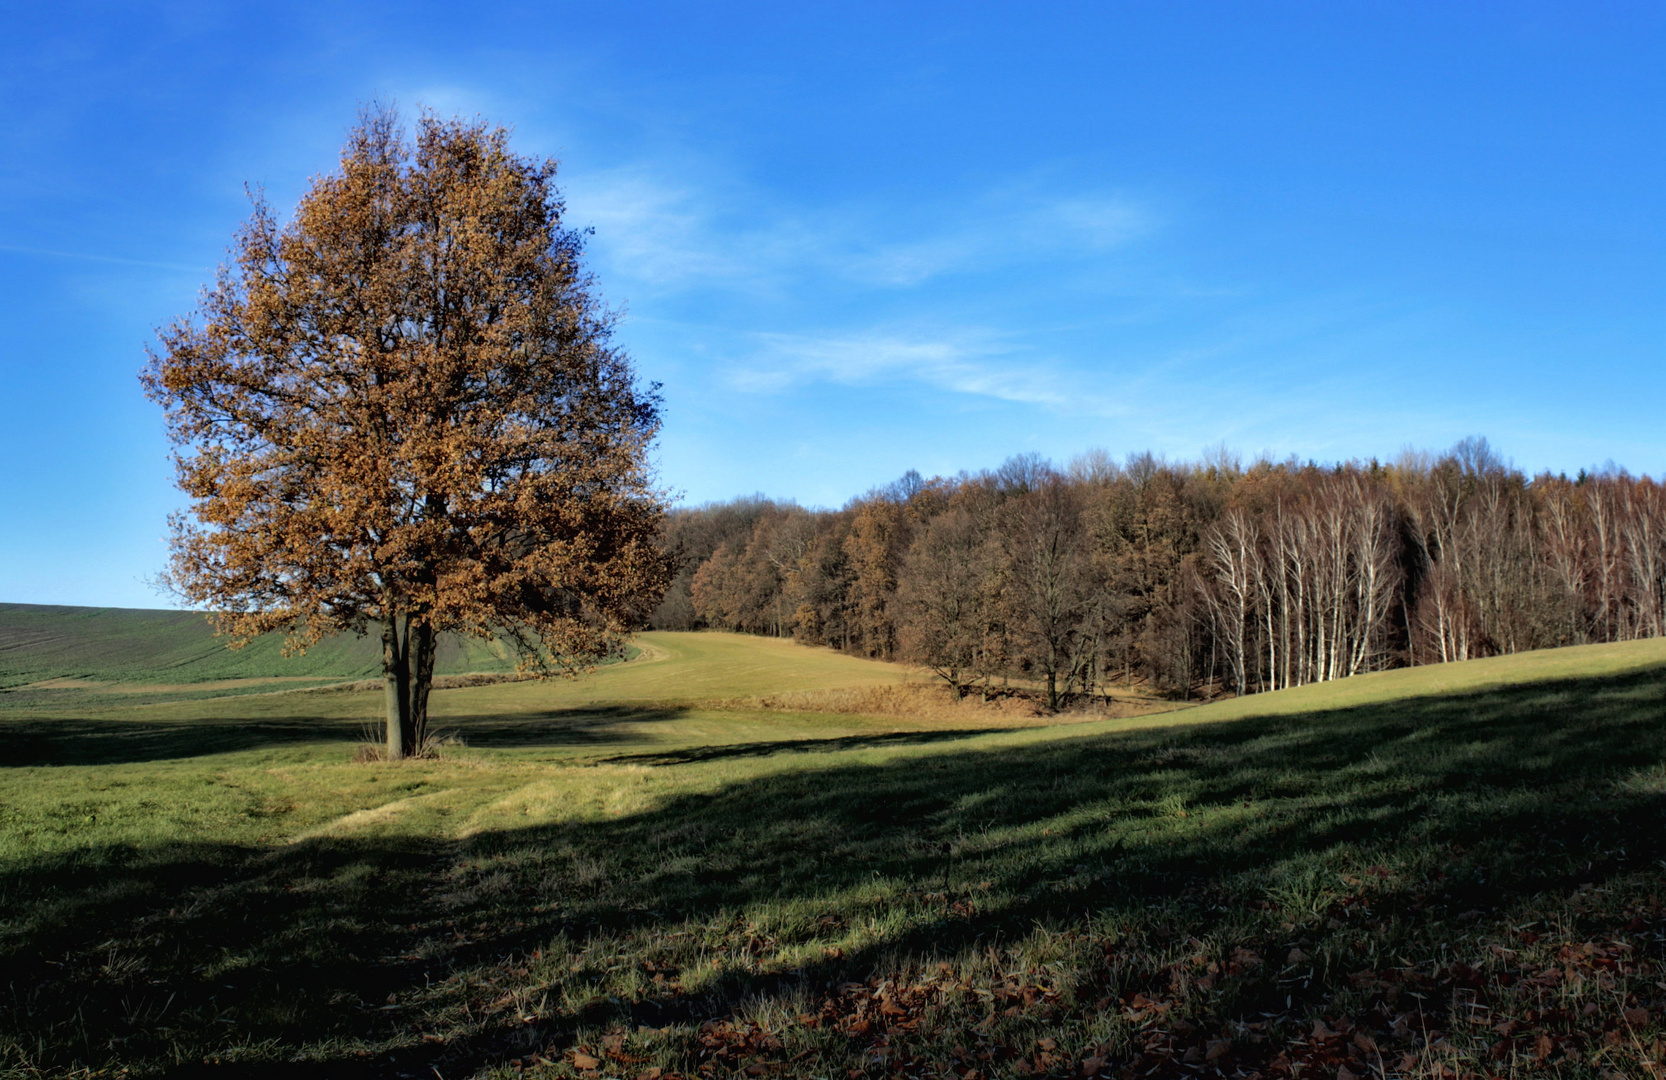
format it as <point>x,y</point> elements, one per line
<point>652,871</point>
<point>132,645</point>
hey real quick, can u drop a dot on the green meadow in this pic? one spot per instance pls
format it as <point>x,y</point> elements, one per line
<point>55,656</point>
<point>738,857</point>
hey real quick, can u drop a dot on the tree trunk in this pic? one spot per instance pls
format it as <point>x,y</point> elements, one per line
<point>396,684</point>
<point>407,676</point>
<point>421,644</point>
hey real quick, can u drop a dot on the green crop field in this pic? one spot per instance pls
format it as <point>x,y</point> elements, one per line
<point>733,857</point>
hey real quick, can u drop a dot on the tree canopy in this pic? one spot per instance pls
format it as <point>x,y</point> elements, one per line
<point>1191,578</point>
<point>402,411</point>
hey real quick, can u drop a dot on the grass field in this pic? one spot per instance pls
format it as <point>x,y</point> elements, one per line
<point>679,866</point>
<point>56,656</point>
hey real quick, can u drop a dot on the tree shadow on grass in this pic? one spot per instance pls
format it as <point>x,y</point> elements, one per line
<point>151,957</point>
<point>576,727</point>
<point>71,740</point>
<point>892,739</point>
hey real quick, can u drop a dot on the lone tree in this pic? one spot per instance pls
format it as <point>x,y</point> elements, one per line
<point>402,412</point>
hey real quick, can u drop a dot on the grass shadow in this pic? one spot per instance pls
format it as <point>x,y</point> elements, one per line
<point>794,880</point>
<point>71,740</point>
<point>577,726</point>
<point>731,751</point>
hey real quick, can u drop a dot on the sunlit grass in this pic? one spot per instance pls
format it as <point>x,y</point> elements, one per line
<point>609,864</point>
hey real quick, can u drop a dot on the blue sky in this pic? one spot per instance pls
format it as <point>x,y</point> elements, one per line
<point>854,240</point>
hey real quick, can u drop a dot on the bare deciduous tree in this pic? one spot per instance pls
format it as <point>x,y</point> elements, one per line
<point>947,599</point>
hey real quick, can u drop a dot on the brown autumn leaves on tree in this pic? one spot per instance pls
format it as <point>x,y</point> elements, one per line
<point>401,413</point>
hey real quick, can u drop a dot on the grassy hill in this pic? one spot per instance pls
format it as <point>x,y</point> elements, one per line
<point>73,649</point>
<point>39,642</point>
<point>648,873</point>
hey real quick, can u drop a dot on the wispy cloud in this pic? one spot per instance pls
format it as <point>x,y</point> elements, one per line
<point>743,275</point>
<point>674,237</point>
<point>657,233</point>
<point>991,236</point>
<point>980,365</point>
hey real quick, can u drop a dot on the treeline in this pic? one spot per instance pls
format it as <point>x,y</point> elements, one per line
<point>1190,577</point>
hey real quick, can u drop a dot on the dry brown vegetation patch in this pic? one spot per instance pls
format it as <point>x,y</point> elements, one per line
<point>925,701</point>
